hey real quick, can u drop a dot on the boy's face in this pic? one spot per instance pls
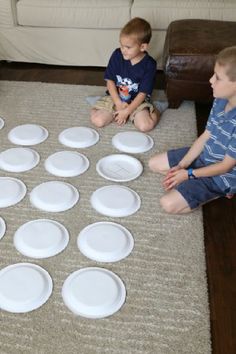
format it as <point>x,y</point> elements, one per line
<point>221,84</point>
<point>131,49</point>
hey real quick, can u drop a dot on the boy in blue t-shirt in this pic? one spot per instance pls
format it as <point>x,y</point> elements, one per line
<point>207,170</point>
<point>130,77</point>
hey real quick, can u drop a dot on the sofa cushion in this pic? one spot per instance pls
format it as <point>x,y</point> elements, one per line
<point>73,13</point>
<point>160,13</point>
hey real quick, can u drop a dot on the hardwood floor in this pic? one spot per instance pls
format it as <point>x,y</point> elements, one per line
<point>220,245</point>
<point>219,216</point>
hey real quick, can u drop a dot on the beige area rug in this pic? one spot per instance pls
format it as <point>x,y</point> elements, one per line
<point>166,309</point>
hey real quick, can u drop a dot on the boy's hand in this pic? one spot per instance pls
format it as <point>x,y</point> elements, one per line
<point>175,176</point>
<point>121,116</point>
<point>121,105</point>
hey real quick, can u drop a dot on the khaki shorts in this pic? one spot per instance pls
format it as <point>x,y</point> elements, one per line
<point>107,104</point>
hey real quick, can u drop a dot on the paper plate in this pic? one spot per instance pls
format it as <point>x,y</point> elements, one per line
<point>2,227</point>
<point>41,238</point>
<point>105,242</point>
<point>1,123</point>
<point>119,168</point>
<point>18,159</point>
<point>28,134</point>
<point>78,137</point>
<point>93,292</point>
<point>66,164</point>
<point>115,201</point>
<point>24,287</point>
<point>12,191</point>
<point>54,196</point>
<point>132,142</point>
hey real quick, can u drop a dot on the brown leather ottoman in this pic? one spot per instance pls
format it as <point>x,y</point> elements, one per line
<point>189,56</point>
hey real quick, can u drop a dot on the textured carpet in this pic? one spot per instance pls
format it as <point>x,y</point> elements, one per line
<point>166,309</point>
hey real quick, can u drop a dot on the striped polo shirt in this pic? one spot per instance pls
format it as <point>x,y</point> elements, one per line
<point>222,127</point>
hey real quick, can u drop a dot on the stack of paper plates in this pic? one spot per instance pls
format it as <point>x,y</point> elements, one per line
<point>24,287</point>
<point>78,137</point>
<point>12,191</point>
<point>115,201</point>
<point>41,238</point>
<point>54,196</point>
<point>132,142</point>
<point>93,292</point>
<point>18,159</point>
<point>28,134</point>
<point>67,164</point>
<point>105,242</point>
<point>119,168</point>
<point>2,227</point>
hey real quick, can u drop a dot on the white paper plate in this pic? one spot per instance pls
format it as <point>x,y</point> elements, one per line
<point>105,242</point>
<point>115,201</point>
<point>18,159</point>
<point>119,167</point>
<point>28,134</point>
<point>1,123</point>
<point>78,137</point>
<point>24,287</point>
<point>66,164</point>
<point>132,142</point>
<point>2,227</point>
<point>12,191</point>
<point>54,196</point>
<point>93,292</point>
<point>41,238</point>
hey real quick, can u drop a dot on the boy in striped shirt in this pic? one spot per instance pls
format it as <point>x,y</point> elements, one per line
<point>206,170</point>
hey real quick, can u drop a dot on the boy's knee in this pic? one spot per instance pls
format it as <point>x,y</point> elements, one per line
<point>100,118</point>
<point>158,164</point>
<point>97,120</point>
<point>168,205</point>
<point>144,125</point>
<point>152,164</point>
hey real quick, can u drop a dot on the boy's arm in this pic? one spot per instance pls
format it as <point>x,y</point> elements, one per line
<point>174,177</point>
<point>179,173</point>
<point>216,169</point>
<point>111,87</point>
<point>136,102</point>
<point>123,114</point>
<point>195,150</point>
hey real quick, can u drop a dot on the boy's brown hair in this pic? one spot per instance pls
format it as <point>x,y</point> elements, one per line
<point>139,28</point>
<point>227,58</point>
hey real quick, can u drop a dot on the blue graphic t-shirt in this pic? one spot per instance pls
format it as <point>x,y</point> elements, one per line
<point>131,79</point>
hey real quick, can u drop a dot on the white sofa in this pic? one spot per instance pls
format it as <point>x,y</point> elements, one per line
<point>85,32</point>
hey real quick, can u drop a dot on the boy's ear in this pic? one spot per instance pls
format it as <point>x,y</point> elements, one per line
<point>144,47</point>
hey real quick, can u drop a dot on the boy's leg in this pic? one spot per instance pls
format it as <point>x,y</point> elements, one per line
<point>159,163</point>
<point>101,117</point>
<point>145,120</point>
<point>102,112</point>
<point>174,203</point>
<point>191,194</point>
